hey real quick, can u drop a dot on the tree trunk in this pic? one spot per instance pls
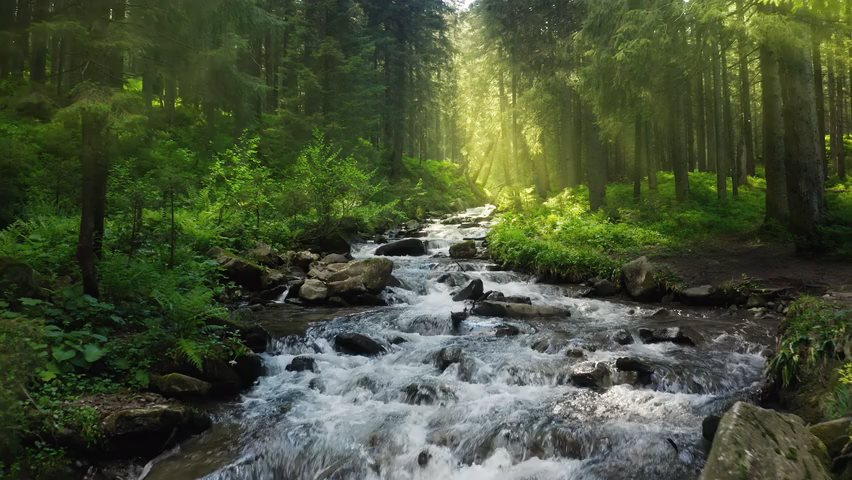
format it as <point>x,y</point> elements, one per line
<point>38,59</point>
<point>596,163</point>
<point>773,138</point>
<point>576,166</point>
<point>804,169</point>
<point>745,97</point>
<point>819,91</point>
<point>638,159</point>
<point>719,133</point>
<point>700,127</point>
<point>676,148</point>
<point>834,145</point>
<point>650,155</point>
<point>840,156</point>
<point>94,163</point>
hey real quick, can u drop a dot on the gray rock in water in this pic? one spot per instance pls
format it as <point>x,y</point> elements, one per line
<point>357,344</point>
<point>708,295</point>
<point>466,249</point>
<point>448,356</point>
<point>754,443</point>
<point>604,288</point>
<point>506,330</point>
<point>517,310</point>
<point>423,458</point>
<point>594,375</point>
<point>302,364</point>
<point>411,247</point>
<point>473,291</point>
<point>638,276</point>
<point>622,337</point>
<point>334,258</point>
<point>500,297</point>
<point>313,290</point>
<point>834,434</point>
<point>424,394</point>
<point>676,335</point>
<point>628,364</point>
<point>458,317</point>
<point>454,279</point>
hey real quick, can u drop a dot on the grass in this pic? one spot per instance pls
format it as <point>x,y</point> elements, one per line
<point>560,239</point>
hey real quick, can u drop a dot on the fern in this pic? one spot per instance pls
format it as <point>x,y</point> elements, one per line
<point>192,351</point>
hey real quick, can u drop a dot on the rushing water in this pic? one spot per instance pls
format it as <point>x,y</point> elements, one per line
<point>507,410</point>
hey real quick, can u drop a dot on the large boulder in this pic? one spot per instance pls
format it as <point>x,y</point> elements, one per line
<point>179,385</point>
<point>835,434</point>
<point>130,425</point>
<point>447,356</point>
<point>247,274</point>
<point>760,444</point>
<point>466,249</point>
<point>411,247</point>
<point>313,290</point>
<point>357,344</point>
<point>302,364</point>
<point>364,276</point>
<point>473,291</point>
<point>638,277</point>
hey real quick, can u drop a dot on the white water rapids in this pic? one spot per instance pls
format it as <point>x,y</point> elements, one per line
<point>507,410</point>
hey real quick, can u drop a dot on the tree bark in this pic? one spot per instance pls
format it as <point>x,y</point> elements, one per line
<point>773,138</point>
<point>745,96</point>
<point>804,169</point>
<point>819,92</point>
<point>94,163</point>
<point>638,159</point>
<point>38,59</point>
<point>721,163</point>
<point>596,164</point>
<point>700,126</point>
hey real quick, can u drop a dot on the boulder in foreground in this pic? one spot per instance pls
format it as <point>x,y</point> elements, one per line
<point>466,249</point>
<point>758,444</point>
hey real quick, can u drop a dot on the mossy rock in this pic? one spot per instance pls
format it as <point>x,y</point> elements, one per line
<point>466,249</point>
<point>180,385</point>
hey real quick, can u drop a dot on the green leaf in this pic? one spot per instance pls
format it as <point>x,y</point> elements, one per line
<point>62,355</point>
<point>30,302</point>
<point>92,352</point>
<point>141,378</point>
<point>46,375</point>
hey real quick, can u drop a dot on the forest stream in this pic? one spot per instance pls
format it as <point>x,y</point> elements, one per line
<point>488,398</point>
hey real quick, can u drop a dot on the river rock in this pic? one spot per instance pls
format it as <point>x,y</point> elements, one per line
<point>473,291</point>
<point>466,249</point>
<point>447,356</point>
<point>517,310</point>
<point>313,290</point>
<point>357,344</point>
<point>603,287</point>
<point>453,279</point>
<point>179,385</point>
<point>334,258</point>
<point>754,443</point>
<point>506,330</point>
<point>709,426</point>
<point>594,375</point>
<point>263,254</point>
<point>411,247</point>
<point>638,278</point>
<point>458,317</point>
<point>622,337</point>
<point>629,364</point>
<point>424,394</point>
<point>710,296</point>
<point>834,434</point>
<point>676,335</point>
<point>302,364</point>
<point>248,275</point>
<point>302,260</point>
<point>249,368</point>
<point>500,297</point>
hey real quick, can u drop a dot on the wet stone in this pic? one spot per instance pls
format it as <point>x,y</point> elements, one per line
<point>302,364</point>
<point>473,291</point>
<point>594,375</point>
<point>357,344</point>
<point>676,335</point>
<point>448,356</point>
<point>622,337</point>
<point>506,330</point>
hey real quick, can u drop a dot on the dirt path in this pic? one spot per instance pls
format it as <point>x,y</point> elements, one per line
<point>773,265</point>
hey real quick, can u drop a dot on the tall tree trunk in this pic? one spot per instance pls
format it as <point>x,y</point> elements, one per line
<point>804,169</point>
<point>7,23</point>
<point>732,157</point>
<point>840,129</point>
<point>23,20</point>
<point>596,163</point>
<point>718,128</point>
<point>745,96</point>
<point>38,60</point>
<point>576,166</point>
<point>773,137</point>
<point>676,148</point>
<point>652,135</point>
<point>94,163</point>
<point>638,159</point>
<point>816,53</point>
<point>701,124</point>
<point>832,113</point>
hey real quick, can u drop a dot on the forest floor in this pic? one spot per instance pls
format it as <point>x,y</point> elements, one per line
<point>773,265</point>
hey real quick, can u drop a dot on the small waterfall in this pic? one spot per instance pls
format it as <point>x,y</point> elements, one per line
<point>498,406</point>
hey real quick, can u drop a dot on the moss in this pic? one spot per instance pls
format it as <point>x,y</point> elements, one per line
<point>792,454</point>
